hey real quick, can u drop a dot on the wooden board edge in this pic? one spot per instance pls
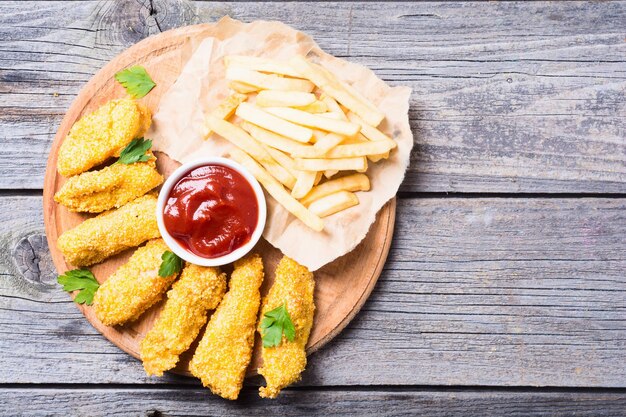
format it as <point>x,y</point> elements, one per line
<point>81,100</point>
<point>390,208</point>
<point>99,79</point>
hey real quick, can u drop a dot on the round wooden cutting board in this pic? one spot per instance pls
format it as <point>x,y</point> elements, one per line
<point>341,287</point>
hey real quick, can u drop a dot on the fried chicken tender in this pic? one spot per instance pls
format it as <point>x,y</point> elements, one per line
<point>198,290</point>
<point>221,359</point>
<point>134,287</point>
<point>111,232</point>
<point>111,187</point>
<point>282,365</point>
<point>102,134</point>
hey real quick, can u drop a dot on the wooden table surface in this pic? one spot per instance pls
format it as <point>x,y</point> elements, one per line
<point>505,289</point>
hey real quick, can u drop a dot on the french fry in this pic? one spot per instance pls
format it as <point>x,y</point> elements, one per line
<point>333,115</point>
<point>356,93</point>
<point>318,177</point>
<point>370,132</point>
<point>276,98</point>
<point>329,173</point>
<point>353,182</point>
<point>320,148</point>
<point>318,135</point>
<point>277,191</point>
<point>358,149</point>
<point>315,107</point>
<point>283,159</point>
<point>333,88</point>
<point>259,117</point>
<point>333,106</point>
<point>261,64</point>
<point>268,81</point>
<point>340,164</point>
<point>304,182</point>
<point>355,139</point>
<point>242,88</point>
<point>238,137</point>
<point>361,139</point>
<point>364,169</point>
<point>349,88</point>
<point>333,203</point>
<point>315,120</point>
<point>373,134</point>
<point>376,158</point>
<point>346,151</point>
<point>328,142</point>
<point>226,108</point>
<point>275,140</point>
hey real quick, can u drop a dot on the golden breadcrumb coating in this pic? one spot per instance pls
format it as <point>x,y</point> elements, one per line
<point>111,232</point>
<point>221,359</point>
<point>111,187</point>
<point>283,364</point>
<point>198,290</point>
<point>134,287</point>
<point>102,134</point>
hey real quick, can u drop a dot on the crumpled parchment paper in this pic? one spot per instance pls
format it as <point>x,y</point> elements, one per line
<point>178,128</point>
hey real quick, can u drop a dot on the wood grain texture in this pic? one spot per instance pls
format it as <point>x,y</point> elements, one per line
<point>515,292</point>
<point>507,97</point>
<point>310,403</point>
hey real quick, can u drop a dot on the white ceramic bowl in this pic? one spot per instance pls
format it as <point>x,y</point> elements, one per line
<point>237,253</point>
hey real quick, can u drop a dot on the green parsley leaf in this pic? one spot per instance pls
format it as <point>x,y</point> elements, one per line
<point>171,264</point>
<point>275,323</point>
<point>136,81</point>
<point>135,151</point>
<point>272,336</point>
<point>80,279</point>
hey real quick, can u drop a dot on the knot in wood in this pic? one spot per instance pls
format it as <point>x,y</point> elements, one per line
<point>32,259</point>
<point>129,21</point>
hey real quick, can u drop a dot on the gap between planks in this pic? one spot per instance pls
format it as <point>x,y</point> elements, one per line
<point>195,385</point>
<point>8,192</point>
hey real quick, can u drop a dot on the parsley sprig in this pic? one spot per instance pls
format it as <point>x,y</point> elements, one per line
<point>275,323</point>
<point>171,264</point>
<point>135,151</point>
<point>80,279</point>
<point>136,81</point>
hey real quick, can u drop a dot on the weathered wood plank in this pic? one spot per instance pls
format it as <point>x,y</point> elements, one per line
<point>508,97</point>
<point>196,402</point>
<point>517,292</point>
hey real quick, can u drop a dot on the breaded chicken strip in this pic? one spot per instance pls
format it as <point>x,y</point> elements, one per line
<point>111,187</point>
<point>283,364</point>
<point>221,359</point>
<point>198,290</point>
<point>110,232</point>
<point>102,134</point>
<point>134,287</point>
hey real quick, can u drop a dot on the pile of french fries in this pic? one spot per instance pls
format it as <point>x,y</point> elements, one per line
<point>302,131</point>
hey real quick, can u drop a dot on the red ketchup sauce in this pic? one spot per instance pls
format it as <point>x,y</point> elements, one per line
<point>211,211</point>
